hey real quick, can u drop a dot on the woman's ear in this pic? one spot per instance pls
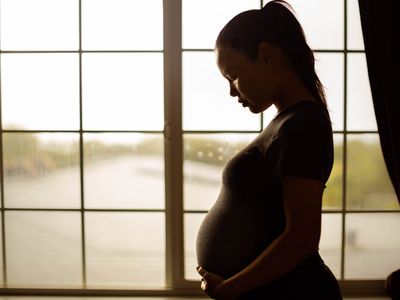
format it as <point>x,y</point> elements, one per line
<point>272,56</point>
<point>265,51</point>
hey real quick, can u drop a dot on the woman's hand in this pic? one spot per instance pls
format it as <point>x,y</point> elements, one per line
<point>214,285</point>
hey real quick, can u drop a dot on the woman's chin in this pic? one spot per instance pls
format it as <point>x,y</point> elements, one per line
<point>254,110</point>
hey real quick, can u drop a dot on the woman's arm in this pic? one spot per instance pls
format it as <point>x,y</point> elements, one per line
<point>302,199</point>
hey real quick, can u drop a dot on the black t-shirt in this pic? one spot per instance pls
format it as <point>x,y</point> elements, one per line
<point>248,214</point>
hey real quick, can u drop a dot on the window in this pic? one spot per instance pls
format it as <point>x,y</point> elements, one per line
<point>82,143</point>
<point>115,126</point>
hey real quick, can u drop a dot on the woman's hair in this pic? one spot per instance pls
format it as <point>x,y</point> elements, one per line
<point>275,24</point>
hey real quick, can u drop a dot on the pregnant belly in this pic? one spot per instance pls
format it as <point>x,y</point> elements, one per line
<point>231,237</point>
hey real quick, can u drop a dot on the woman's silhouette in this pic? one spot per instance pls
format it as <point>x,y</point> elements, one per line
<point>260,239</point>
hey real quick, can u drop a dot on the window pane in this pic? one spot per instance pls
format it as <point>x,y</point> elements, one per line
<point>368,183</point>
<point>124,170</point>
<point>355,39</point>
<point>192,224</point>
<point>41,170</point>
<point>331,240</point>
<point>125,249</point>
<point>360,110</point>
<point>204,159</point>
<point>268,115</point>
<point>40,91</point>
<point>123,91</point>
<point>203,20</point>
<point>207,104</point>
<point>43,248</point>
<point>39,25</point>
<point>323,30</point>
<point>372,245</point>
<point>329,67</point>
<point>332,198</point>
<point>122,25</point>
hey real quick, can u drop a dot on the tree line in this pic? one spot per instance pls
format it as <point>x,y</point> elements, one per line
<point>368,185</point>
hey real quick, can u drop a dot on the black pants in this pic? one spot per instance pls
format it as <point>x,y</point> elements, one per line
<point>311,280</point>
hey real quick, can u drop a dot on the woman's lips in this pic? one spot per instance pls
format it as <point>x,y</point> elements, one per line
<point>243,102</point>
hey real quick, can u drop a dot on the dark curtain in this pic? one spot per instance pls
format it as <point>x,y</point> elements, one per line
<point>380,21</point>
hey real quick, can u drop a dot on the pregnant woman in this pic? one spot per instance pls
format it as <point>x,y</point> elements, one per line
<point>260,239</point>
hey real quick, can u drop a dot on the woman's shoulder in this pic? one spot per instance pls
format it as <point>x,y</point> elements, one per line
<point>302,117</point>
<point>298,123</point>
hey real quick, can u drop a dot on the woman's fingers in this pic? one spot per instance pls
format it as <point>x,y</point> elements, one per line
<point>203,273</point>
<point>203,285</point>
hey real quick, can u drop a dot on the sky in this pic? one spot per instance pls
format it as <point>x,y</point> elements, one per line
<point>124,91</point>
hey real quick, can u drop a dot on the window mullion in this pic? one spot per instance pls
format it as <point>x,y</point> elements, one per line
<point>344,153</point>
<point>3,239</point>
<point>172,10</point>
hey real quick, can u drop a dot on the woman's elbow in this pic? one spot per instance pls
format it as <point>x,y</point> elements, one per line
<point>305,239</point>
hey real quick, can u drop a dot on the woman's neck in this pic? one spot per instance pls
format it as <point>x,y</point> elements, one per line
<point>293,91</point>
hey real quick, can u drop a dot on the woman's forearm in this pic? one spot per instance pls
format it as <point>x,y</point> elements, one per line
<point>285,253</point>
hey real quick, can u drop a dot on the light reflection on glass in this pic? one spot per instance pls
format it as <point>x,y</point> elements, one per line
<point>43,248</point>
<point>202,20</point>
<point>360,109</point>
<point>41,170</point>
<point>372,245</point>
<point>124,170</point>
<point>122,91</point>
<point>125,249</point>
<point>368,185</point>
<point>122,25</point>
<point>40,91</point>
<point>39,25</point>
<point>207,104</point>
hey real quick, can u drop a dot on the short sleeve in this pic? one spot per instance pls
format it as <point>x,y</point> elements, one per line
<point>303,149</point>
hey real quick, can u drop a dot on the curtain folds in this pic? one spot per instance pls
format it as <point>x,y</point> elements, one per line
<point>380,21</point>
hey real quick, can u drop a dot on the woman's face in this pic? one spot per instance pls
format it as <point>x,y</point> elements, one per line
<point>254,83</point>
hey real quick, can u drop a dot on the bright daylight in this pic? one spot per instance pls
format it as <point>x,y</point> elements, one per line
<point>83,150</point>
